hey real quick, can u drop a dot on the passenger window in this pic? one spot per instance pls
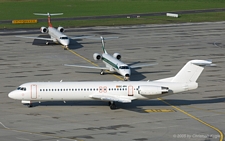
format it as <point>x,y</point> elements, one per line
<point>40,90</point>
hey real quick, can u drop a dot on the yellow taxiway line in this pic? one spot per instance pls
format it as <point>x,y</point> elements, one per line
<point>199,120</point>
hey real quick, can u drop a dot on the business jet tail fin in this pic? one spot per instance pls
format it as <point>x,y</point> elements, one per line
<point>49,16</point>
<point>191,71</point>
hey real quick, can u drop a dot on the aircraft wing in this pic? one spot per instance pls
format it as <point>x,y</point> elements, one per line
<point>90,67</point>
<point>40,38</point>
<point>107,97</point>
<point>80,37</point>
<point>142,65</point>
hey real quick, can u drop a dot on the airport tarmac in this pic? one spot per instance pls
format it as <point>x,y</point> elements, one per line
<point>194,115</point>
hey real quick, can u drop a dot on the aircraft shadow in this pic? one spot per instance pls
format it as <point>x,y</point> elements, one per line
<point>135,106</point>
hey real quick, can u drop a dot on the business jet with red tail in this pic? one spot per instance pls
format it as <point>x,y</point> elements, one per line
<point>56,35</point>
<point>111,91</point>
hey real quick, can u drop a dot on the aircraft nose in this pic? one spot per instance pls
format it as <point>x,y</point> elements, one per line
<point>11,95</point>
<point>66,42</point>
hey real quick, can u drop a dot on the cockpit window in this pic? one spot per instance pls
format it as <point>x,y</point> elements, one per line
<point>21,88</point>
<point>63,38</point>
<point>123,67</point>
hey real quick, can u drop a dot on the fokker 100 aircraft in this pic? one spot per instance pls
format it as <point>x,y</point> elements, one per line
<point>56,35</point>
<point>112,63</point>
<point>111,91</point>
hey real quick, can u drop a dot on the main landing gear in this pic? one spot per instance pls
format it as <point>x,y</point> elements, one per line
<point>112,105</point>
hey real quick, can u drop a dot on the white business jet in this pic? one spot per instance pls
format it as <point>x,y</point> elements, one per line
<point>111,91</point>
<point>56,35</point>
<point>112,63</point>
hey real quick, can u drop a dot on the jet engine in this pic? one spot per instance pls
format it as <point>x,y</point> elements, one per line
<point>152,90</point>
<point>97,56</point>
<point>44,29</point>
<point>61,29</point>
<point>117,56</point>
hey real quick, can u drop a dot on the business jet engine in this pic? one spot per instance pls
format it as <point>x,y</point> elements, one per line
<point>148,90</point>
<point>61,29</point>
<point>97,56</point>
<point>44,29</point>
<point>117,56</point>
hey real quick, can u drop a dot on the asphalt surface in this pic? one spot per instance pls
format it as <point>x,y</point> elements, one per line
<point>194,115</point>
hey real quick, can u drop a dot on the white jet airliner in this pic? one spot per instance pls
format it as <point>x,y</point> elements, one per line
<point>111,91</point>
<point>56,35</point>
<point>112,63</point>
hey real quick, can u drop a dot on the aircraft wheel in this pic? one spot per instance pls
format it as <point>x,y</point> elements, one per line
<point>47,43</point>
<point>112,105</point>
<point>30,105</point>
<point>126,79</point>
<point>102,72</point>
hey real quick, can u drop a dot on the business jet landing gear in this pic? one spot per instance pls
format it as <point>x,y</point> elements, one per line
<point>27,102</point>
<point>102,72</point>
<point>30,105</point>
<point>112,105</point>
<point>126,79</point>
<point>66,48</point>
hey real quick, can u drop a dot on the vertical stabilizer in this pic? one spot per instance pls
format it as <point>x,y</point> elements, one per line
<point>191,71</point>
<point>103,45</point>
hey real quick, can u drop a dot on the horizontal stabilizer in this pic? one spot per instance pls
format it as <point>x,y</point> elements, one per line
<point>48,14</point>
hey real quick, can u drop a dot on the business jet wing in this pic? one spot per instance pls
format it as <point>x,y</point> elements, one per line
<point>142,65</point>
<point>107,97</point>
<point>40,38</point>
<point>90,67</point>
<point>80,37</point>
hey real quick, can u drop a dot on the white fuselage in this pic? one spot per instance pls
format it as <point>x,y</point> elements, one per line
<point>72,91</point>
<point>58,36</point>
<point>116,65</point>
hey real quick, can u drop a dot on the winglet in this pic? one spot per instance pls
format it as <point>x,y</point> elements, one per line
<point>103,45</point>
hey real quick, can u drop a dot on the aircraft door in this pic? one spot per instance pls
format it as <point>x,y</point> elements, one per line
<point>33,91</point>
<point>130,91</point>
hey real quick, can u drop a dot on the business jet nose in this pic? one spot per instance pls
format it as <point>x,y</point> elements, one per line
<point>66,42</point>
<point>12,95</point>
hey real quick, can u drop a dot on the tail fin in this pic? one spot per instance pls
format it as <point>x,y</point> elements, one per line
<point>49,16</point>
<point>191,71</point>
<point>103,45</point>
